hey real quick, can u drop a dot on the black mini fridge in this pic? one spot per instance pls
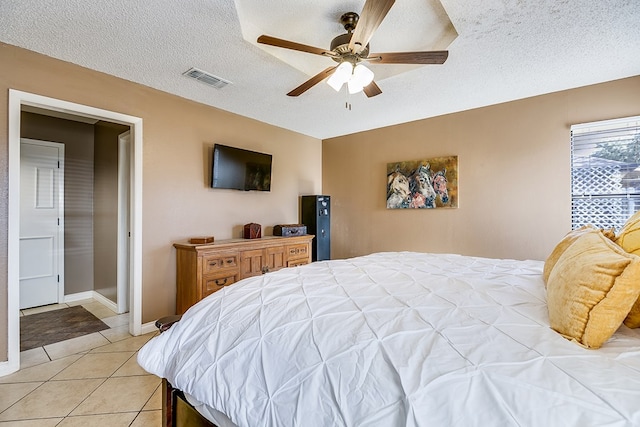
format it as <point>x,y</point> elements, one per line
<point>316,215</point>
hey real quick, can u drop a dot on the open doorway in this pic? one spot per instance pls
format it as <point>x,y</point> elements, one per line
<point>74,220</point>
<point>17,101</point>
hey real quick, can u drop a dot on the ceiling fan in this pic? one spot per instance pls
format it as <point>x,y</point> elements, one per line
<point>352,48</point>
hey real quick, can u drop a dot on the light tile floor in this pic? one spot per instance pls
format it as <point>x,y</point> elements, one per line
<point>93,380</point>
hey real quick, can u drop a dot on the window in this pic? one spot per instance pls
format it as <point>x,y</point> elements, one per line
<point>605,172</point>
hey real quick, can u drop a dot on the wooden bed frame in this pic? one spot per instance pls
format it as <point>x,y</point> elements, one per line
<point>176,411</point>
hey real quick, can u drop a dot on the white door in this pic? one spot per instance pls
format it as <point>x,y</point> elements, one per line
<point>124,235</point>
<point>41,217</point>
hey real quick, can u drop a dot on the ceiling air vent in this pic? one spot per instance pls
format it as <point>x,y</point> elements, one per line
<point>206,78</point>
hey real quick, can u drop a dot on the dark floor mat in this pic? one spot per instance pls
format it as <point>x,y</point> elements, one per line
<point>37,330</point>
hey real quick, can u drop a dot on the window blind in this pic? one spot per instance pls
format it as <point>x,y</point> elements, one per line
<point>605,172</point>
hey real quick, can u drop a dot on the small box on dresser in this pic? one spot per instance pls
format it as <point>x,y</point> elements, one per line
<point>288,230</point>
<point>252,231</point>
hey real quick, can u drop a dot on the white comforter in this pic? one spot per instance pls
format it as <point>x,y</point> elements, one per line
<point>396,339</point>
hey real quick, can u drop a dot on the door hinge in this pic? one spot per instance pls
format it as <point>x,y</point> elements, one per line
<point>58,278</point>
<point>58,164</point>
<point>58,221</point>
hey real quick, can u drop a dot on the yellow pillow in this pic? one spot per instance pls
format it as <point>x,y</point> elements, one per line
<point>562,246</point>
<point>629,236</point>
<point>633,318</point>
<point>609,234</point>
<point>592,288</point>
<point>629,240</point>
<point>566,241</point>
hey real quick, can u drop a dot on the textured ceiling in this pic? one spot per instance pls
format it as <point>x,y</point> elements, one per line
<point>505,50</point>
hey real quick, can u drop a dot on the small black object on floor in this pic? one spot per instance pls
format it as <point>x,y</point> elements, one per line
<point>37,330</point>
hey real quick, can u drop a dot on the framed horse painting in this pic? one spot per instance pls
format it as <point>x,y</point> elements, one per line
<point>423,184</point>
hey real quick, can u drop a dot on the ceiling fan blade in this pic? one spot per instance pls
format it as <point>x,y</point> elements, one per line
<point>273,41</point>
<point>371,90</point>
<point>371,17</point>
<point>432,57</point>
<point>312,81</point>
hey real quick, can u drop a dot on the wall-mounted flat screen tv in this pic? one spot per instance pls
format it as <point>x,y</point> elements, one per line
<point>239,169</point>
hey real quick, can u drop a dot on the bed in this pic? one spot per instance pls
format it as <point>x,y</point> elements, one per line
<point>391,339</point>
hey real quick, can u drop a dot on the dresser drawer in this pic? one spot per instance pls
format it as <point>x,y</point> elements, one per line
<point>297,262</point>
<point>297,251</point>
<point>214,263</point>
<point>211,284</point>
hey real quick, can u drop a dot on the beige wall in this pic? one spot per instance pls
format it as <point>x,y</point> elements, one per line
<point>514,176</point>
<point>177,202</point>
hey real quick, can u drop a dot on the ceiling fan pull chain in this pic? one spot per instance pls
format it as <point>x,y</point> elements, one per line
<point>347,104</point>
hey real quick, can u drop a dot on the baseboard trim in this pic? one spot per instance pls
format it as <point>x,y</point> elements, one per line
<point>105,301</point>
<point>79,296</point>
<point>9,367</point>
<point>149,327</point>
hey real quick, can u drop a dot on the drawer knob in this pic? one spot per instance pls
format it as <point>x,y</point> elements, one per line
<point>213,263</point>
<point>221,282</point>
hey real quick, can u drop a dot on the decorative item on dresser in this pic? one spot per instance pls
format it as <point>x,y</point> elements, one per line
<point>287,230</point>
<point>201,240</point>
<point>252,231</point>
<point>204,269</point>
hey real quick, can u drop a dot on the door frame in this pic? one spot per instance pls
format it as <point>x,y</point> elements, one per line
<point>60,184</point>
<point>16,100</point>
<point>123,278</point>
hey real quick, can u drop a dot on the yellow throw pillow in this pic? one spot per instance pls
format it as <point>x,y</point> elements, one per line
<point>609,234</point>
<point>562,246</point>
<point>633,318</point>
<point>629,240</point>
<point>629,236</point>
<point>566,241</point>
<point>592,288</point>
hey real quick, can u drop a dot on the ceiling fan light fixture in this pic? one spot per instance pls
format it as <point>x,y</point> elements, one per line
<point>355,78</point>
<point>360,78</point>
<point>354,86</point>
<point>362,75</point>
<point>340,76</point>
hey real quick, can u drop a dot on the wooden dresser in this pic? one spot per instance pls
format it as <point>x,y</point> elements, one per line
<point>204,269</point>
